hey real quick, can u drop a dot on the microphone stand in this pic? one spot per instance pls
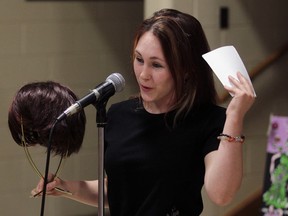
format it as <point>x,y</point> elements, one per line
<point>49,147</point>
<point>101,120</point>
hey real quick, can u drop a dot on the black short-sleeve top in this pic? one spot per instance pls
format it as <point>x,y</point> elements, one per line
<point>152,168</point>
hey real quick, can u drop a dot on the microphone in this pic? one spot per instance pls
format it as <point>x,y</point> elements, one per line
<point>113,83</point>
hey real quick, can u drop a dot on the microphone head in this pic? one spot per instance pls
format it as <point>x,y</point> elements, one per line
<point>117,80</point>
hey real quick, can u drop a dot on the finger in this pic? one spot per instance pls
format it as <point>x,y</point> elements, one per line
<point>35,193</point>
<point>246,83</point>
<point>51,185</point>
<point>234,87</point>
<point>230,90</point>
<point>242,85</point>
<point>40,184</point>
<point>236,83</point>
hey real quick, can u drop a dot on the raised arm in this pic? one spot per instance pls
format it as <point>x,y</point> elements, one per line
<point>224,167</point>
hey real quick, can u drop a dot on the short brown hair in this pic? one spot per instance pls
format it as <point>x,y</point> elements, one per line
<point>37,105</point>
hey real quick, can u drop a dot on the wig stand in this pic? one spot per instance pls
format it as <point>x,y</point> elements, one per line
<point>101,121</point>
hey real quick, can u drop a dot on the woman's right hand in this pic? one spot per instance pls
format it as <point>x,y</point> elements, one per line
<point>83,191</point>
<point>53,188</point>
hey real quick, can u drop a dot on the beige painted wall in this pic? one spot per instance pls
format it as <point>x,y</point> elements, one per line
<point>79,43</point>
<point>257,28</point>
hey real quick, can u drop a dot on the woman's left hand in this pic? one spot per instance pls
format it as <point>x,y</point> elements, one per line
<point>243,96</point>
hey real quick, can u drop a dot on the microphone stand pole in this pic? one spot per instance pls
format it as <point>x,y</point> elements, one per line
<point>101,121</point>
<point>49,147</point>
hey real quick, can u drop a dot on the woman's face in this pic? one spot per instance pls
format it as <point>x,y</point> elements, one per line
<point>153,74</point>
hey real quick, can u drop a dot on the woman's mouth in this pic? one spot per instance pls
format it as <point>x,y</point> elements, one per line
<point>145,88</point>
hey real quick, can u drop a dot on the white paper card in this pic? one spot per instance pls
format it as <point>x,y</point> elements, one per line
<point>225,61</point>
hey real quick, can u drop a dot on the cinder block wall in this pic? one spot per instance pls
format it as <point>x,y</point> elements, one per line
<point>256,29</point>
<point>77,43</point>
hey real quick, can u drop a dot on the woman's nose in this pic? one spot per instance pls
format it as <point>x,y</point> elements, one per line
<point>145,73</point>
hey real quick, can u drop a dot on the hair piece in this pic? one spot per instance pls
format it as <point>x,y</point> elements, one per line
<point>38,105</point>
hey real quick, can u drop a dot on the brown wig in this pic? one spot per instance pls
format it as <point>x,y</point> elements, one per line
<point>37,105</point>
<point>183,42</point>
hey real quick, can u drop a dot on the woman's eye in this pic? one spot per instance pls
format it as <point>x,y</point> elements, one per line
<point>139,59</point>
<point>156,65</point>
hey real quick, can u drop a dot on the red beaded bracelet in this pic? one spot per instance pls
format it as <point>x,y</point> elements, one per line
<point>229,138</point>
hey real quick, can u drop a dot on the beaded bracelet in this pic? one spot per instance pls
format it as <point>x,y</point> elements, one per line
<point>229,138</point>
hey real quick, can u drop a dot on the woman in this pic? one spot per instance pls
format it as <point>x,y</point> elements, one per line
<point>162,146</point>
